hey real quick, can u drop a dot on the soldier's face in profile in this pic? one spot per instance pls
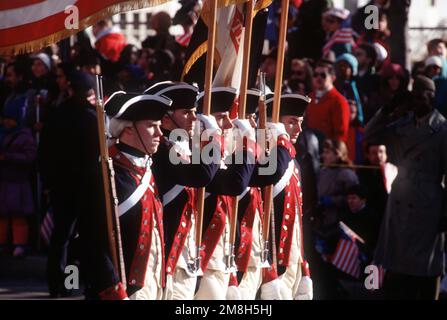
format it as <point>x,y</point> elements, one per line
<point>185,119</point>
<point>150,134</point>
<point>223,120</point>
<point>293,125</point>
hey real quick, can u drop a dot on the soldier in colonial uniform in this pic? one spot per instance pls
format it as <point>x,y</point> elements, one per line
<point>254,269</point>
<point>294,277</point>
<point>177,185</point>
<point>249,239</point>
<point>135,124</point>
<point>230,181</point>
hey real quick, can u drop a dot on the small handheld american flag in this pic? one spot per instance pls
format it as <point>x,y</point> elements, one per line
<point>346,256</point>
<point>46,228</point>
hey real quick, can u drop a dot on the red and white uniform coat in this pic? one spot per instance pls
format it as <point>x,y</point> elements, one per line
<point>139,224</point>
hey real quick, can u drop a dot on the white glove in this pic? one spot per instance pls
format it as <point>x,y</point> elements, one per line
<point>305,289</point>
<point>209,123</point>
<point>182,148</point>
<point>233,293</point>
<point>245,129</point>
<point>276,129</point>
<point>271,290</point>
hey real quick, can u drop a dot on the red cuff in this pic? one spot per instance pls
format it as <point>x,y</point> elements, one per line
<point>233,280</point>
<point>269,274</point>
<point>305,270</point>
<point>116,292</point>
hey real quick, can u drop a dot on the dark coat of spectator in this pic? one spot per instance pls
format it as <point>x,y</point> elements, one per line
<point>392,82</point>
<point>410,241</point>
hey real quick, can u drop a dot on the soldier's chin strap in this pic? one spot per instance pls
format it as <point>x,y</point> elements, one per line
<point>141,140</point>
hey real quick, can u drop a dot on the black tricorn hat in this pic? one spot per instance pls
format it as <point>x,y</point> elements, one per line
<point>136,106</point>
<point>222,99</point>
<point>252,101</point>
<point>182,94</point>
<point>292,104</point>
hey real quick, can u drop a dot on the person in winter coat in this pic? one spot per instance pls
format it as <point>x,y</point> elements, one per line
<point>411,241</point>
<point>17,154</point>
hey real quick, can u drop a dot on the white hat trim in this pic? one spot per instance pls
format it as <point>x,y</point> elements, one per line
<point>143,97</point>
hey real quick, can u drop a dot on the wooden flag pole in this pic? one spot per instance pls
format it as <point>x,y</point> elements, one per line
<point>111,200</point>
<point>249,13</point>
<point>268,191</point>
<point>206,111</point>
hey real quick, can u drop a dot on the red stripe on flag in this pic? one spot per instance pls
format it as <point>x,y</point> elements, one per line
<point>346,257</point>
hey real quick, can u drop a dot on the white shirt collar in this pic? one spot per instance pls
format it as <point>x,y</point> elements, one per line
<point>141,162</point>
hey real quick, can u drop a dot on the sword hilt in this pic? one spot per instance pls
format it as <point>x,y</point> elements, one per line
<point>265,252</point>
<point>231,261</point>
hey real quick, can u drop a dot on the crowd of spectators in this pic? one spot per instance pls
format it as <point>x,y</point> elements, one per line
<point>347,71</point>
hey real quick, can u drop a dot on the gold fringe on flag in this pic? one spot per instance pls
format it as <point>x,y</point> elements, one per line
<point>34,45</point>
<point>200,51</point>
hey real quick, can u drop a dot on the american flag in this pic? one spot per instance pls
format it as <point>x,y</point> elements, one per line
<point>184,39</point>
<point>343,35</point>
<point>46,228</point>
<point>346,257</point>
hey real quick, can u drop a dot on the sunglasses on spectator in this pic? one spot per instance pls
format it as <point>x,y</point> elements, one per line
<point>320,75</point>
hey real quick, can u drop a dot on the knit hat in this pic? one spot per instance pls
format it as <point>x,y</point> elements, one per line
<point>44,58</point>
<point>423,83</point>
<point>382,54</point>
<point>433,61</point>
<point>391,70</point>
<point>349,58</point>
<point>81,82</point>
<point>340,13</point>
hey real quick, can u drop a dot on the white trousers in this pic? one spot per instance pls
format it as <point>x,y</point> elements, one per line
<point>252,278</point>
<point>152,289</point>
<point>291,278</point>
<point>213,285</point>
